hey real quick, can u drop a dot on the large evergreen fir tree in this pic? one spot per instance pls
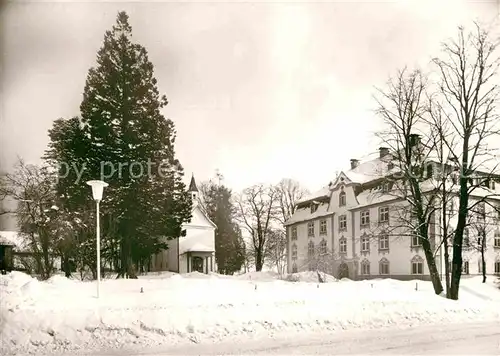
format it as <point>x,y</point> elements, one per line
<point>229,244</point>
<point>123,138</point>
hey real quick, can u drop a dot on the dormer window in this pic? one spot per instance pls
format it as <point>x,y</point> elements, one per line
<point>342,197</point>
<point>314,207</point>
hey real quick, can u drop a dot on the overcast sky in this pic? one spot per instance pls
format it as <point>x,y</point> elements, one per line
<point>261,91</point>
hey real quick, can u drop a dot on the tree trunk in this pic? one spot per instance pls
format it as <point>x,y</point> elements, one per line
<point>431,261</point>
<point>456,272</point>
<point>66,267</point>
<point>258,261</point>
<point>483,262</point>
<point>447,266</point>
<point>444,226</point>
<point>124,258</point>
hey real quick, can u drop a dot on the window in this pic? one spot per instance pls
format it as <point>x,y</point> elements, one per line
<point>323,247</point>
<point>342,197</point>
<point>294,252</point>
<point>481,235</point>
<point>314,207</point>
<point>416,241</point>
<point>480,266</point>
<point>365,217</point>
<point>310,229</point>
<point>450,207</point>
<point>465,267</point>
<point>417,265</point>
<point>294,232</point>
<point>496,241</point>
<point>497,267</point>
<point>343,245</point>
<point>383,242</point>
<point>385,187</point>
<point>466,242</point>
<point>365,243</point>
<point>383,266</point>
<point>383,214</point>
<point>343,222</point>
<point>322,227</point>
<point>310,250</point>
<point>365,268</point>
<point>294,268</point>
<point>481,210</point>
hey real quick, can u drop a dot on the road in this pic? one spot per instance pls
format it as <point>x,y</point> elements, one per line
<point>463,339</point>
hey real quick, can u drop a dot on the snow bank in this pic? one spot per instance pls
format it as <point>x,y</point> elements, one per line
<point>64,315</point>
<point>259,276</point>
<point>310,277</point>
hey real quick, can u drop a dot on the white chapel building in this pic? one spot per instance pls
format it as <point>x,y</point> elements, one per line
<point>194,252</point>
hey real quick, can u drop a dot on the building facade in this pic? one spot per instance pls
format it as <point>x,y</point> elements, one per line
<point>195,251</point>
<point>355,228</point>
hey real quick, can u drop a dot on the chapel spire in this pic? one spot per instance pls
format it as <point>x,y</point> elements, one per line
<point>193,189</point>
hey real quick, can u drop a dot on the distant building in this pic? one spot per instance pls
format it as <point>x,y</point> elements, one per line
<point>196,250</point>
<point>355,219</point>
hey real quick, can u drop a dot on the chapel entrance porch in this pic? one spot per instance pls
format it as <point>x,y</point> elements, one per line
<point>200,261</point>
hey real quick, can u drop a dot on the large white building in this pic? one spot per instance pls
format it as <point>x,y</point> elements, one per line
<point>355,227</point>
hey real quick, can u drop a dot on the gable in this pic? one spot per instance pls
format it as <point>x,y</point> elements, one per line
<point>200,219</point>
<point>342,179</point>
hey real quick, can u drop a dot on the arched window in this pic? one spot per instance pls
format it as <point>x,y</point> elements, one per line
<point>323,247</point>
<point>383,266</point>
<point>342,197</point>
<point>497,265</point>
<point>310,250</point>
<point>343,245</point>
<point>417,265</point>
<point>365,267</point>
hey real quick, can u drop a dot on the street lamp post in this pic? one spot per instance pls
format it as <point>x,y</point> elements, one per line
<point>97,189</point>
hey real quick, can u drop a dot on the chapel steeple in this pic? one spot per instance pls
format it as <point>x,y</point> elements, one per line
<point>193,189</point>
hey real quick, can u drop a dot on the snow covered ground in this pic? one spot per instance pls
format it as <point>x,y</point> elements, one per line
<point>456,339</point>
<point>63,315</point>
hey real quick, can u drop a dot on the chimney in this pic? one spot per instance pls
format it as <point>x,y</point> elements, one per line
<point>384,151</point>
<point>354,163</point>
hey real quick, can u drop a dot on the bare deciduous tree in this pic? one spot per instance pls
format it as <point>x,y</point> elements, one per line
<point>276,250</point>
<point>468,94</point>
<point>256,208</point>
<point>402,107</point>
<point>288,193</point>
<point>32,187</point>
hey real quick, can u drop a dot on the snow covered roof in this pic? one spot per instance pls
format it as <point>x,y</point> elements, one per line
<point>199,247</point>
<point>322,193</point>
<point>304,213</point>
<point>191,242</point>
<point>368,171</point>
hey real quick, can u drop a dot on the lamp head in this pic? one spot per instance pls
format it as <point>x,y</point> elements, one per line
<point>97,188</point>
